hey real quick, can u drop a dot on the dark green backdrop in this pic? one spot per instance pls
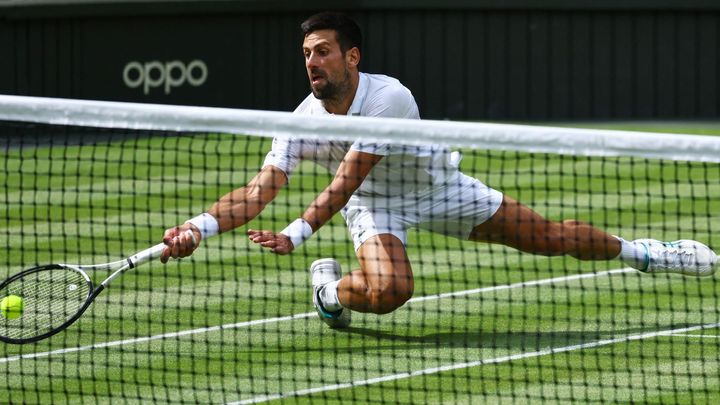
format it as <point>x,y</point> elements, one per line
<point>497,60</point>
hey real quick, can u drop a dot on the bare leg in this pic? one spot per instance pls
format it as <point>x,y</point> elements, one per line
<point>517,226</point>
<point>384,281</point>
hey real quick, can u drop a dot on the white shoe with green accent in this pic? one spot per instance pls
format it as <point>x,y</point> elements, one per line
<point>324,271</point>
<point>687,257</point>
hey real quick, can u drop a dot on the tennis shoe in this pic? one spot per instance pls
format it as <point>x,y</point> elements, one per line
<point>686,257</point>
<point>324,271</point>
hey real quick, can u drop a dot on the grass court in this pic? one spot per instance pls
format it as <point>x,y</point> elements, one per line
<point>235,324</point>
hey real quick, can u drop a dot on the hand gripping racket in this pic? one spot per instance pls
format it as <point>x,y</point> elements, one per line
<point>56,295</point>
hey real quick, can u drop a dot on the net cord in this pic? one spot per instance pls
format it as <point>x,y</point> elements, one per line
<point>502,137</point>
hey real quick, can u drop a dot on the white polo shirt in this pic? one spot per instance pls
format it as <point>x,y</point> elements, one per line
<point>404,169</point>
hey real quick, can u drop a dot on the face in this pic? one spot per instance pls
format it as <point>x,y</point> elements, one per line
<point>327,67</point>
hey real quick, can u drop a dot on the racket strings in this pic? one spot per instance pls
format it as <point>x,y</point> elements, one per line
<point>50,298</point>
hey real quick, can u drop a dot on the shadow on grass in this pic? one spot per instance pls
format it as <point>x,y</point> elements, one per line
<point>372,340</point>
<point>475,339</point>
<point>524,340</point>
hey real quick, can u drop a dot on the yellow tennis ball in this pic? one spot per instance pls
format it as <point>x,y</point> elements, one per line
<point>12,306</point>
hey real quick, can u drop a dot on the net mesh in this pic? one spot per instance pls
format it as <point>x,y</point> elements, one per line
<point>91,182</point>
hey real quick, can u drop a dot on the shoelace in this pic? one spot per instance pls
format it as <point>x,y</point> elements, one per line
<point>672,255</point>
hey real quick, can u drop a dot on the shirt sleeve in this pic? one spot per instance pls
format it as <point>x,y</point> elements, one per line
<point>286,152</point>
<point>285,155</point>
<point>390,102</point>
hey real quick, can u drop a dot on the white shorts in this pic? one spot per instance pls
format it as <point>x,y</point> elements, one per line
<point>451,209</point>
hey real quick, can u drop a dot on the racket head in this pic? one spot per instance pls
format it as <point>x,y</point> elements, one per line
<point>54,296</point>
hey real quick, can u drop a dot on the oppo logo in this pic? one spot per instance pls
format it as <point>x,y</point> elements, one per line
<point>165,75</point>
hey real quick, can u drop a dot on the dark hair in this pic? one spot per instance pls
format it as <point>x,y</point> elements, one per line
<point>347,32</point>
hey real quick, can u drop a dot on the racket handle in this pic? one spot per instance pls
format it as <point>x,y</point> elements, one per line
<point>151,253</point>
<point>146,255</point>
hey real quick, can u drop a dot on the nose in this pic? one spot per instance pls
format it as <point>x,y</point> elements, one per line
<point>311,61</point>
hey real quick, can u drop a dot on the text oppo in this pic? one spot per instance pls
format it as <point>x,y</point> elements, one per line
<point>167,75</point>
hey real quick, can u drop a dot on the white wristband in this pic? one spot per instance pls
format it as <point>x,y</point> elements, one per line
<point>206,223</point>
<point>298,231</point>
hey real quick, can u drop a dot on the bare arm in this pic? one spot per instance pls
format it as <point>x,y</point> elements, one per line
<point>234,209</point>
<point>350,175</point>
<point>240,206</point>
<point>348,178</point>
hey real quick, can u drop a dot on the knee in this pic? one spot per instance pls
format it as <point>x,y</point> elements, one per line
<point>388,297</point>
<point>571,223</point>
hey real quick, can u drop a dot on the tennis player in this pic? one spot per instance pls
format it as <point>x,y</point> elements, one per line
<point>383,189</point>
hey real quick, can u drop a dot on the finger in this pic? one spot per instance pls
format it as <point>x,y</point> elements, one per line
<point>254,232</point>
<point>192,237</point>
<point>168,239</point>
<point>258,240</point>
<point>182,246</point>
<point>262,237</point>
<point>174,249</point>
<point>165,255</point>
<point>169,235</point>
<point>186,243</point>
<point>269,243</point>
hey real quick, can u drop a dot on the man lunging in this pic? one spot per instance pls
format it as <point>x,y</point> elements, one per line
<point>383,189</point>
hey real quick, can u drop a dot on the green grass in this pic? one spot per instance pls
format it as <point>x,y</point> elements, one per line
<point>85,204</point>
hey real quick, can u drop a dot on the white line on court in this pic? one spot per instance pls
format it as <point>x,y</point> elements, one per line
<point>523,284</point>
<point>697,336</point>
<point>306,315</point>
<point>156,337</point>
<point>456,366</point>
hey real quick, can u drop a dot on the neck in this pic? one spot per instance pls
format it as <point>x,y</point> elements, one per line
<point>340,105</point>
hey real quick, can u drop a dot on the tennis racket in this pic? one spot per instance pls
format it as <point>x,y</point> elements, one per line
<point>56,295</point>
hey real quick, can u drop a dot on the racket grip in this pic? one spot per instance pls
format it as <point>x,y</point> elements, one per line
<point>151,253</point>
<point>146,255</point>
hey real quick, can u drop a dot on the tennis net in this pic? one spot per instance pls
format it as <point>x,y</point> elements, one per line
<point>93,182</point>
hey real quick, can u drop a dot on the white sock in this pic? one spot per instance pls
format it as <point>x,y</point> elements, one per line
<point>633,254</point>
<point>329,296</point>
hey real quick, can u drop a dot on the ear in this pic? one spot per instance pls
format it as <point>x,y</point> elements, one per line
<point>352,57</point>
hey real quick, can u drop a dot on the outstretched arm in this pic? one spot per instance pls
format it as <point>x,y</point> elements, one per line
<point>350,175</point>
<point>234,209</point>
<point>353,169</point>
<point>240,206</point>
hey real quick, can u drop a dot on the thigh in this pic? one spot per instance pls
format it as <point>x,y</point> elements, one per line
<point>514,224</point>
<point>384,263</point>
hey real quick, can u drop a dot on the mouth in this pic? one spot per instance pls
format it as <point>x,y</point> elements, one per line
<point>315,78</point>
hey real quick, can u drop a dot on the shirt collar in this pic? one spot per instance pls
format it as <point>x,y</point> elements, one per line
<point>360,94</point>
